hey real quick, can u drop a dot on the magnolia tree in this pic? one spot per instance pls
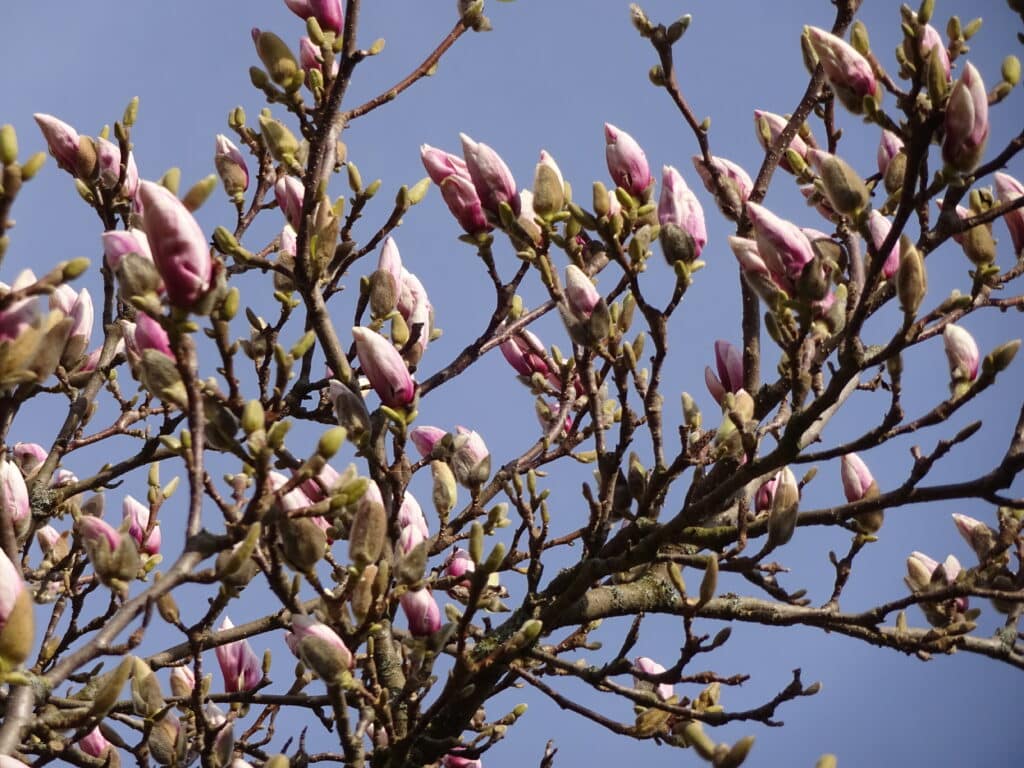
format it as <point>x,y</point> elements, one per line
<point>406,616</point>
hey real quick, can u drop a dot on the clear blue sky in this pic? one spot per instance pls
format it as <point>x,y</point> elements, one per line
<point>548,77</point>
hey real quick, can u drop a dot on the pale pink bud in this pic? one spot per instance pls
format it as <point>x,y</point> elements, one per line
<point>735,178</point>
<point>77,306</point>
<point>328,13</point>
<point>966,125</point>
<point>317,488</point>
<point>440,164</point>
<point>231,166</point>
<point>180,252</point>
<point>421,611</point>
<point>118,243</point>
<point>492,179</point>
<point>678,205</point>
<point>857,478</point>
<point>18,315</point>
<point>61,139</point>
<point>149,334</point>
<point>649,666</point>
<point>240,666</point>
<point>425,438</point>
<point>847,72</point>
<point>929,38</point>
<point>11,587</point>
<point>384,367</point>
<point>879,228</point>
<point>889,146</point>
<point>962,212</point>
<point>94,743</point>
<point>96,533</point>
<point>409,538</point>
<point>627,162</point>
<point>414,306</point>
<point>580,292</point>
<point>306,627</point>
<point>976,533</point>
<point>15,493</point>
<point>137,514</point>
<point>288,192</point>
<point>183,680</point>
<point>311,57</point>
<point>410,515</point>
<point>729,362</point>
<point>48,539</point>
<point>459,564</point>
<point>292,501</point>
<point>784,248</point>
<point>748,256</point>
<point>1009,189</point>
<point>961,351</point>
<point>28,456</point>
<point>470,461</point>
<point>109,156</point>
<point>390,261</point>
<point>549,161</point>
<point>768,127</point>
<point>63,477</point>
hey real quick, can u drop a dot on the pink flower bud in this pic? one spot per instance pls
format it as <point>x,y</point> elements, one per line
<point>77,306</point>
<point>889,146</point>
<point>425,438</point>
<point>1007,190</point>
<point>627,162</point>
<point>180,252</point>
<point>108,155</point>
<point>288,192</point>
<point>61,139</point>
<point>491,178</point>
<point>440,164</point>
<point>879,228</point>
<point>18,315</point>
<point>848,73</point>
<point>97,534</point>
<point>459,564</point>
<point>409,539</point>
<point>149,334</point>
<point>966,123</point>
<point>292,501</point>
<point>11,587</point>
<point>649,666</point>
<point>729,362</point>
<point>240,666</point>
<point>384,367</point>
<point>328,13</point>
<point>305,628</point>
<point>454,760</point>
<point>463,201</point>
<point>421,611</point>
<point>765,495</point>
<point>94,743</point>
<point>137,514</point>
<point>768,127</point>
<point>962,353</point>
<point>28,456</point>
<point>415,308</point>
<point>15,493</point>
<point>470,461</point>
<point>962,212</point>
<point>317,488</point>
<point>118,243</point>
<point>183,680</point>
<point>735,178</point>
<point>410,515</point>
<point>525,352</point>
<point>231,166</point>
<point>857,478</point>
<point>784,248</point>
<point>678,205</point>
<point>580,292</point>
<point>929,38</point>
<point>980,537</point>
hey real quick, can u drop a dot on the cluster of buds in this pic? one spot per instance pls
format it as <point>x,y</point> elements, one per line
<point>329,14</point>
<point>526,353</point>
<point>464,451</point>
<point>924,574</point>
<point>776,259</point>
<point>87,159</point>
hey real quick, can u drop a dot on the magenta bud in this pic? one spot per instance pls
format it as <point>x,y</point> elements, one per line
<point>857,478</point>
<point>1009,189</point>
<point>421,611</point>
<point>137,514</point>
<point>94,743</point>
<point>627,162</point>
<point>678,205</point>
<point>649,666</point>
<point>231,166</point>
<point>440,164</point>
<point>328,13</point>
<point>525,352</point>
<point>781,244</point>
<point>491,178</point>
<point>318,488</point>
<point>149,334</point>
<point>459,564</point>
<point>765,496</point>
<point>288,192</point>
<point>463,201</point>
<point>454,760</point>
<point>180,251</point>
<point>425,438</point>
<point>878,228</point>
<point>15,499</point>
<point>240,666</point>
<point>61,139</point>
<point>966,125</point>
<point>384,367</point>
<point>848,73</point>
<point>768,127</point>
<point>729,362</point>
<point>118,243</point>
<point>961,352</point>
<point>580,292</point>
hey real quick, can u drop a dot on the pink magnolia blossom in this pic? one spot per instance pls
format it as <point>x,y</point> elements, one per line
<point>765,495</point>
<point>239,665</point>
<point>491,177</point>
<point>425,438</point>
<point>78,306</point>
<point>317,488</point>
<point>459,564</point>
<point>879,228</point>
<point>96,534</point>
<point>292,501</point>
<point>729,363</point>
<point>769,126</point>
<point>18,315</point>
<point>410,515</point>
<point>118,243</point>
<point>734,177</point>
<point>470,461</point>
<point>848,73</point>
<point>649,666</point>
<point>11,587</point>
<point>454,760</point>
<point>149,334</point>
<point>627,162</point>
<point>61,139</point>
<point>961,351</point>
<point>180,251</point>
<point>784,248</point>
<point>329,13</point>
<point>288,192</point>
<point>889,146</point>
<point>976,533</point>
<point>580,292</point>
<point>856,477</point>
<point>929,38</point>
<point>384,367</point>
<point>966,125</point>
<point>306,627</point>
<point>525,352</point>
<point>15,499</point>
<point>183,680</point>
<point>409,538</point>
<point>451,174</point>
<point>1009,189</point>
<point>137,514</point>
<point>421,611</point>
<point>679,206</point>
<point>231,166</point>
<point>28,456</point>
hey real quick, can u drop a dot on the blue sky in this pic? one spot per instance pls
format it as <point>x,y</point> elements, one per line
<point>548,77</point>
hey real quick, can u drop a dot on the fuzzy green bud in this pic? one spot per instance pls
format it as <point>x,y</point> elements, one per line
<point>280,62</point>
<point>200,192</point>
<point>911,279</point>
<point>8,145</point>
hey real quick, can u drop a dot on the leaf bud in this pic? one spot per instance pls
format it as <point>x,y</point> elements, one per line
<point>8,145</point>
